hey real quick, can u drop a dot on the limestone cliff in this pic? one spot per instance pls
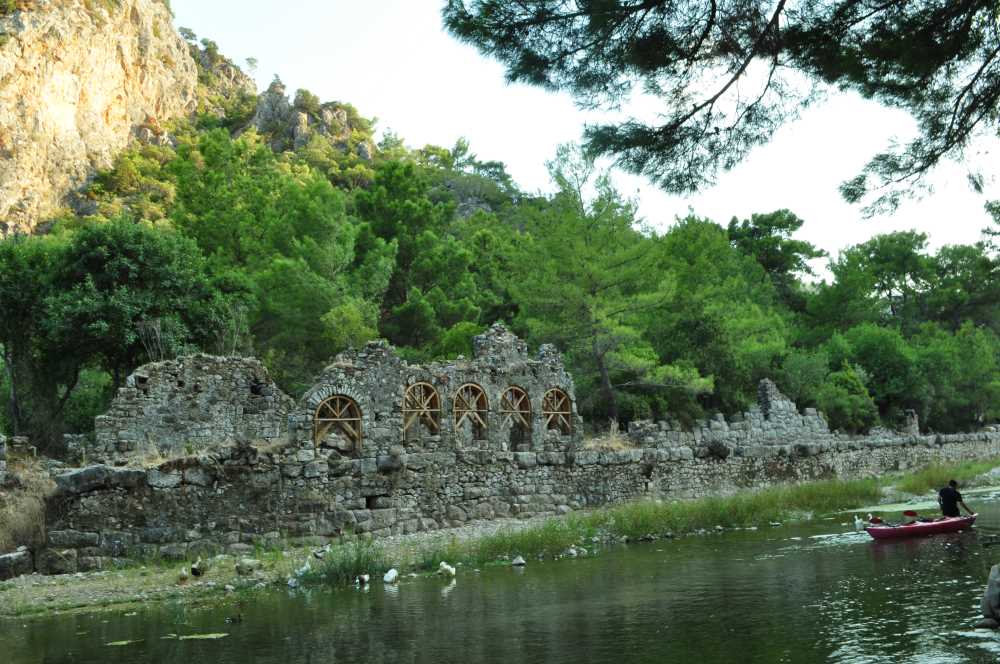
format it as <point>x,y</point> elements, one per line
<point>77,79</point>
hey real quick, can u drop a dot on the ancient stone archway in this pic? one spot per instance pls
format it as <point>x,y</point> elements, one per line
<point>339,415</point>
<point>421,406</point>
<point>515,412</point>
<point>557,411</point>
<point>471,406</point>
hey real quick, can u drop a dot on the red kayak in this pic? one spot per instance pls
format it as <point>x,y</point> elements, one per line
<point>945,524</point>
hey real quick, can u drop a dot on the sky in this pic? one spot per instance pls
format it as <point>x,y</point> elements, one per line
<point>393,61</point>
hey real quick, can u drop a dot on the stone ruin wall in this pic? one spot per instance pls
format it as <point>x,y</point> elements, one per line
<point>182,407</point>
<point>238,497</point>
<point>773,420</point>
<point>316,483</point>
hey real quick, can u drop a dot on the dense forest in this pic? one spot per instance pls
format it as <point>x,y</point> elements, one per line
<point>231,240</point>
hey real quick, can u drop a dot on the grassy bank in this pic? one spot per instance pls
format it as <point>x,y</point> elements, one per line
<point>935,476</point>
<point>638,520</point>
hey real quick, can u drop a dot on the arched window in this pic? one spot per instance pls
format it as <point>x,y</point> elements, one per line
<point>421,405</point>
<point>339,416</point>
<point>471,406</point>
<point>557,410</point>
<point>515,411</point>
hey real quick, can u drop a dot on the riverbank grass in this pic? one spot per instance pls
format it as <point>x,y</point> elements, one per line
<point>342,565</point>
<point>935,476</point>
<point>653,519</point>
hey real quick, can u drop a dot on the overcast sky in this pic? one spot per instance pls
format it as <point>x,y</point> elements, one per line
<point>393,61</point>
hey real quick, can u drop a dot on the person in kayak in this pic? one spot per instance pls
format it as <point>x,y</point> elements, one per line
<point>949,499</point>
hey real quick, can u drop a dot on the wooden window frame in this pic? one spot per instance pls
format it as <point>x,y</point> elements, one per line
<point>557,411</point>
<point>470,403</point>
<point>515,407</point>
<point>342,413</point>
<point>422,404</point>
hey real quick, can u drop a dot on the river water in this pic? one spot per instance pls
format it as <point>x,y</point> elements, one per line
<point>813,592</point>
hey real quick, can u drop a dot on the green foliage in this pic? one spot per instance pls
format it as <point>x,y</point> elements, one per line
<point>296,250</point>
<point>307,101</point>
<point>78,300</point>
<point>728,75</point>
<point>961,373</point>
<point>846,402</point>
<point>803,373</point>
<point>432,287</point>
<point>137,185</point>
<point>588,282</point>
<point>767,238</point>
<point>457,340</point>
<point>284,233</point>
<point>7,7</point>
<point>894,378</point>
<point>722,315</point>
<point>91,397</point>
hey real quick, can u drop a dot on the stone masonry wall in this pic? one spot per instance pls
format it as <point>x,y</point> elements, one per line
<point>774,420</point>
<point>237,497</point>
<point>183,406</point>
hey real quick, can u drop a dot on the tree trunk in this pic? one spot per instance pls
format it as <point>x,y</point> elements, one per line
<point>607,392</point>
<point>15,406</point>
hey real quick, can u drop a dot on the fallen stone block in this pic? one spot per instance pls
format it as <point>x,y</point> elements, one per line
<point>58,561</point>
<point>16,564</point>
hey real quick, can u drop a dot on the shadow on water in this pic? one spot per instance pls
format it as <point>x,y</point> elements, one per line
<point>808,593</point>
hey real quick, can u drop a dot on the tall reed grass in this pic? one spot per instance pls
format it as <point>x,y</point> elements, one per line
<point>344,563</point>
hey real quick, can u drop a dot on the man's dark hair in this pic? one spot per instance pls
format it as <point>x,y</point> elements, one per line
<point>952,483</point>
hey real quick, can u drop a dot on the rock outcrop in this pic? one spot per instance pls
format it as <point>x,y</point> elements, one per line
<point>221,84</point>
<point>290,125</point>
<point>77,80</point>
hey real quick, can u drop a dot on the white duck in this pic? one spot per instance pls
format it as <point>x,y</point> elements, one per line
<point>859,525</point>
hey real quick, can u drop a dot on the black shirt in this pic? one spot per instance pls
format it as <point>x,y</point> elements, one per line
<point>949,498</point>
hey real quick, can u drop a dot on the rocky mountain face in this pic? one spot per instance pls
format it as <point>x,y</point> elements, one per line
<point>290,125</point>
<point>78,79</point>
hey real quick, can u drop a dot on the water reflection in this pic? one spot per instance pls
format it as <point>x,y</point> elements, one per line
<point>815,593</point>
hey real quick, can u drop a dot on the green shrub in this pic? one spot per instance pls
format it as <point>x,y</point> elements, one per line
<point>846,402</point>
<point>307,101</point>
